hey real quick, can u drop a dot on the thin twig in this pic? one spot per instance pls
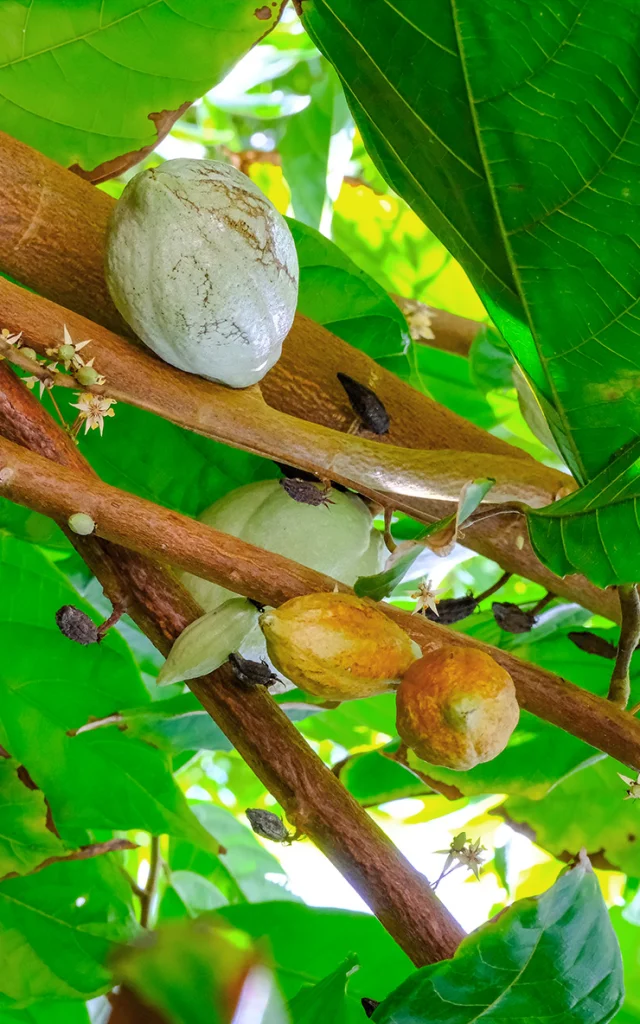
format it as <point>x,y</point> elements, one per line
<point>388,537</point>
<point>542,603</point>
<point>506,576</point>
<point>620,686</point>
<point>149,893</point>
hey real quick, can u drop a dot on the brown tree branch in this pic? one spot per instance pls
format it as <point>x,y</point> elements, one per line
<point>402,477</point>
<point>53,227</point>
<point>311,796</point>
<point>437,328</point>
<point>189,545</point>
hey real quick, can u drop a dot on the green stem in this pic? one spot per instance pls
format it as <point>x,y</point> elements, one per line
<point>620,686</point>
<point>148,895</point>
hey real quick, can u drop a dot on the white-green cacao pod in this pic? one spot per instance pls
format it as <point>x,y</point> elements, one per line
<point>204,269</point>
<point>339,540</point>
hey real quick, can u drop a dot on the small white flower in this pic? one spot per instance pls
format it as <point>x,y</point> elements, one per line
<point>426,597</point>
<point>93,409</point>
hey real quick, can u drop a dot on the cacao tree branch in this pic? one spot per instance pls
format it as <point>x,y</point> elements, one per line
<point>402,477</point>
<point>52,237</point>
<point>311,796</point>
<point>127,520</point>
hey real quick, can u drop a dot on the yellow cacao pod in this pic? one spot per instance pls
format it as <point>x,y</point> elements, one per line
<point>337,646</point>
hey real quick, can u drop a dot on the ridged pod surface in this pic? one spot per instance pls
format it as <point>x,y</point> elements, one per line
<point>337,646</point>
<point>456,707</point>
<point>204,269</point>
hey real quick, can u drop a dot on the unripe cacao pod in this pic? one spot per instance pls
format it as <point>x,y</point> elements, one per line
<point>203,267</point>
<point>456,707</point>
<point>337,646</point>
<point>206,644</point>
<point>338,540</point>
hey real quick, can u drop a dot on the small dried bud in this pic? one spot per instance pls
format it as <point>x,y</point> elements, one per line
<point>30,353</point>
<point>76,625</point>
<point>452,609</point>
<point>512,618</point>
<point>81,523</point>
<point>366,404</point>
<point>268,825</point>
<point>591,643</point>
<point>370,1006</point>
<point>252,673</point>
<point>307,492</point>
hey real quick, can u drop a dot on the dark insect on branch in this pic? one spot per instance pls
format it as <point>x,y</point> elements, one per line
<point>252,673</point>
<point>268,825</point>
<point>514,619</point>
<point>366,404</point>
<point>306,492</point>
<point>77,626</point>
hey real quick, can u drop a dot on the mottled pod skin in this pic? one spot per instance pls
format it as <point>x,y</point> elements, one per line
<point>337,646</point>
<point>204,269</point>
<point>456,707</point>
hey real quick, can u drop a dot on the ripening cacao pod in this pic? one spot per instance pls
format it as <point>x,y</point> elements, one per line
<point>337,646</point>
<point>456,707</point>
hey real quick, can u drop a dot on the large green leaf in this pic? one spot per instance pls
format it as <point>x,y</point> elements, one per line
<point>192,973</point>
<point>25,840</point>
<point>57,929</point>
<point>336,293</point>
<point>586,810</point>
<point>595,530</point>
<point>553,956</point>
<point>305,146</point>
<point>79,81</point>
<point>139,452</point>
<point>327,999</point>
<point>512,130</point>
<point>50,687</point>
<point>307,943</point>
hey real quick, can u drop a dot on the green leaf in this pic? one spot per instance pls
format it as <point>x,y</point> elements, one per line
<point>58,928</point>
<point>550,956</point>
<point>192,973</point>
<point>147,467</point>
<point>382,584</point>
<point>326,1000</point>
<point>595,530</point>
<point>336,293</point>
<point>586,810</point>
<point>307,943</point>
<point>50,686</point>
<point>490,360</point>
<point>375,779</point>
<point>81,83</point>
<point>305,146</point>
<point>57,1012</point>
<point>25,840</point>
<point>246,860</point>
<point>514,137</point>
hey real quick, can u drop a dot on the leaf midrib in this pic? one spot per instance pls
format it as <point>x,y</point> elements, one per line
<point>507,245</point>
